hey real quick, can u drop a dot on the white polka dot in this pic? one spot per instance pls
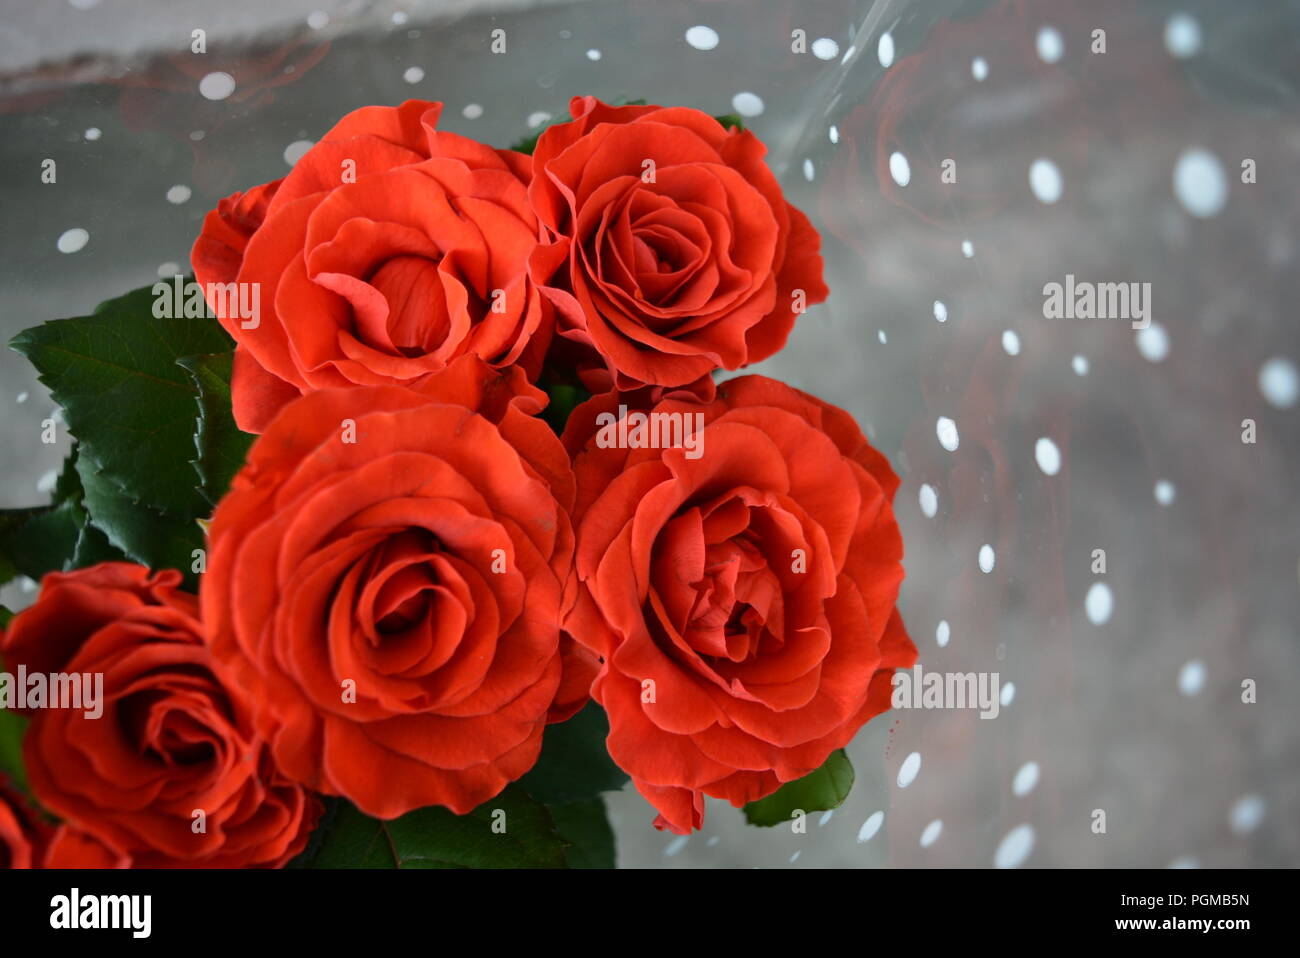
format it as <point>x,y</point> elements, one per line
<point>834,134</point>
<point>1025,780</point>
<point>870,827</point>
<point>1246,814</point>
<point>826,817</point>
<point>1165,492</point>
<point>169,269</point>
<point>747,104</point>
<point>21,397</point>
<point>1191,678</point>
<point>1279,383</point>
<point>900,169</point>
<point>809,171</point>
<point>48,481</point>
<point>967,248</point>
<point>946,430</point>
<point>537,119</point>
<point>1015,847</point>
<point>824,48</point>
<point>318,19</point>
<point>1184,861</point>
<point>702,37</point>
<point>73,240</point>
<point>676,845</point>
<point>931,833</point>
<point>795,857</point>
<point>848,54</point>
<point>399,18</point>
<point>943,633</point>
<point>908,771</point>
<point>1008,694</point>
<point>1182,36</point>
<point>1011,342</point>
<point>885,49</point>
<point>940,311</point>
<point>1079,364</point>
<point>296,150</point>
<point>1045,180</point>
<point>413,75</point>
<point>979,68</point>
<point>593,54</point>
<point>472,111</point>
<point>178,194</point>
<point>217,86</point>
<point>987,558</point>
<point>929,500</point>
<point>1153,343</point>
<point>1048,456</point>
<point>1200,183</point>
<point>1050,44</point>
<point>880,334</point>
<point>1099,603</point>
<point>93,133</point>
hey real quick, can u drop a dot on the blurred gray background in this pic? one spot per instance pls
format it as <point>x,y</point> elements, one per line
<point>1122,691</point>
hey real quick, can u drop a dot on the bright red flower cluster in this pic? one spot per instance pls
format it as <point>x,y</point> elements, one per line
<point>413,574</point>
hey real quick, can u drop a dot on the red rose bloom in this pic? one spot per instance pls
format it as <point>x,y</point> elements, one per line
<point>742,600</point>
<point>391,249</point>
<point>171,742</point>
<point>386,576</point>
<point>72,848</point>
<point>682,251</point>
<point>22,834</point>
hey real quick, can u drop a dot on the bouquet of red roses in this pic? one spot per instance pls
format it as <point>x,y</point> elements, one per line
<point>416,519</point>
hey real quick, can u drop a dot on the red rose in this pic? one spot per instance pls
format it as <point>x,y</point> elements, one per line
<point>219,251</point>
<point>72,848</point>
<point>171,741</point>
<point>682,251</point>
<point>391,249</point>
<point>739,589</point>
<point>22,834</point>
<point>386,576</point>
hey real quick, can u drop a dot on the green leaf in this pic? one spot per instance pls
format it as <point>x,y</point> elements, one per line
<point>436,838</point>
<point>731,121</point>
<point>36,541</point>
<point>145,535</point>
<point>11,521</point>
<point>132,490</point>
<point>563,398</point>
<point>220,445</point>
<point>586,827</point>
<point>55,537</point>
<point>93,548</point>
<point>324,827</point>
<point>12,726</point>
<point>818,791</point>
<point>574,764</point>
<point>68,485</point>
<point>131,407</point>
